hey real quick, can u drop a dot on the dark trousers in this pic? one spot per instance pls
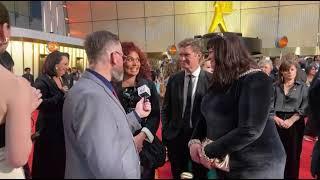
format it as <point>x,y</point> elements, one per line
<point>292,142</point>
<point>309,130</point>
<point>179,156</point>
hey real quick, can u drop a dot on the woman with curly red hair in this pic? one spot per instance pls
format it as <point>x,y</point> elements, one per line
<point>137,72</point>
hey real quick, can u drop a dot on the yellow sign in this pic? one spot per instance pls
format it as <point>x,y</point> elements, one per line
<point>220,8</point>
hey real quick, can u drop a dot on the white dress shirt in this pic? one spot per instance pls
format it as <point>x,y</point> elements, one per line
<point>195,78</point>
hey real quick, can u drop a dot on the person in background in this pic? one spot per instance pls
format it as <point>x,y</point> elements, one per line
<point>311,71</point>
<point>289,107</point>
<point>301,74</point>
<point>67,78</point>
<point>27,74</point>
<point>18,100</point>
<point>6,61</point>
<point>276,62</point>
<point>181,108</point>
<point>266,66</point>
<point>316,59</point>
<point>314,119</point>
<point>156,80</point>
<point>98,131</point>
<point>75,76</point>
<point>234,115</point>
<point>49,148</point>
<point>137,73</point>
<point>206,66</point>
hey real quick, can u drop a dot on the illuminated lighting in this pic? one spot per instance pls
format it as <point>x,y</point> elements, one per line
<point>53,46</point>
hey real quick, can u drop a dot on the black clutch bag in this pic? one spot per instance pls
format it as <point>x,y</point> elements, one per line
<point>153,155</point>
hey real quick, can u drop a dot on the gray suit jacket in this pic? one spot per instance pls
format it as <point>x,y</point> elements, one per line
<point>98,133</point>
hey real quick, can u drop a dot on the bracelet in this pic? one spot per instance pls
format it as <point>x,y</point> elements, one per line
<point>194,141</point>
<point>205,143</point>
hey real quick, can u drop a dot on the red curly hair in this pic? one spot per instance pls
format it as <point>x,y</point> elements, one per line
<point>145,69</point>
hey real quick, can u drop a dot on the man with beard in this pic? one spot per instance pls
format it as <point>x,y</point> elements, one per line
<point>98,132</point>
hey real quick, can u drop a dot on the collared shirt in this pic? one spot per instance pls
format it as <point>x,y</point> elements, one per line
<point>295,101</point>
<point>103,79</point>
<point>195,78</point>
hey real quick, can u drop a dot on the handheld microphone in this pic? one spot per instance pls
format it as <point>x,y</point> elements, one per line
<point>144,91</point>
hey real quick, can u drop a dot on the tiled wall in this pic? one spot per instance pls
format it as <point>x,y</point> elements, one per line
<point>154,25</point>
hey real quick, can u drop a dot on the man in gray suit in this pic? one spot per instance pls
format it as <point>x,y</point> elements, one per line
<point>98,133</point>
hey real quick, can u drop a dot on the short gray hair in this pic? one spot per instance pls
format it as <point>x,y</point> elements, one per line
<point>194,43</point>
<point>96,42</point>
<point>265,61</point>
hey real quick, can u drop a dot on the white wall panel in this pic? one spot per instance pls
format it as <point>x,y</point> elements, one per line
<point>189,25</point>
<point>183,7</point>
<point>159,8</point>
<point>159,33</point>
<point>296,2</point>
<point>260,23</point>
<point>106,25</point>
<point>130,9</point>
<point>300,24</point>
<point>103,10</point>
<point>258,4</point>
<point>133,30</point>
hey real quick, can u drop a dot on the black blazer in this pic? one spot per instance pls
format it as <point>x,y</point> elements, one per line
<point>50,110</point>
<point>172,107</point>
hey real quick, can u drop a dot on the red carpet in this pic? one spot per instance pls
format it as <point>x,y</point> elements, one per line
<point>165,173</point>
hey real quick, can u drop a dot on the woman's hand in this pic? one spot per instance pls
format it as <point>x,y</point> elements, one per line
<point>195,152</point>
<point>36,98</point>
<point>278,121</point>
<point>205,162</point>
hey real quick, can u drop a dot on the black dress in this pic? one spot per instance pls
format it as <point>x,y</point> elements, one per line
<point>236,119</point>
<point>285,106</point>
<point>49,149</point>
<point>129,97</point>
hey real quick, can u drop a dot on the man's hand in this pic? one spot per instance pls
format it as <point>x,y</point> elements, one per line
<point>138,141</point>
<point>143,109</point>
<point>195,152</point>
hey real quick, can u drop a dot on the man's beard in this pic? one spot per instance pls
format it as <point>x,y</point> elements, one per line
<point>117,76</point>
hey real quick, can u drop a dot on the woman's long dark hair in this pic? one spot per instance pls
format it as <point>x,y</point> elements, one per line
<point>231,59</point>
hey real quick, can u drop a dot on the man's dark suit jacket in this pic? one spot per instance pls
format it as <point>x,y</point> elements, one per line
<point>29,77</point>
<point>172,108</point>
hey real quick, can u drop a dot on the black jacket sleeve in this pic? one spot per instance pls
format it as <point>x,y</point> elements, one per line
<point>166,109</point>
<point>50,99</point>
<point>200,130</point>
<point>153,120</point>
<point>253,110</point>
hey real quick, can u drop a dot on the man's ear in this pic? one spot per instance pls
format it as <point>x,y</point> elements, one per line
<point>113,59</point>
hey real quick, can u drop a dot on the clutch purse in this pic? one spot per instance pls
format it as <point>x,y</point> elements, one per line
<point>222,164</point>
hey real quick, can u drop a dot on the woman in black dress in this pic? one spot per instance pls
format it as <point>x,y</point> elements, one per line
<point>137,72</point>
<point>290,104</point>
<point>235,116</point>
<point>49,148</point>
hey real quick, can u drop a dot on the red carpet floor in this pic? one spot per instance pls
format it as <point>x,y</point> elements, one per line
<point>165,173</point>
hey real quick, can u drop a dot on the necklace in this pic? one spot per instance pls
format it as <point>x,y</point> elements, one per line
<point>248,72</point>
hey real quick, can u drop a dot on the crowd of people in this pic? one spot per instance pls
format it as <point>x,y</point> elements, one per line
<point>225,113</point>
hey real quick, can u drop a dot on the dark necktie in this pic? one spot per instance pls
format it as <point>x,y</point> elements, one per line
<point>187,110</point>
